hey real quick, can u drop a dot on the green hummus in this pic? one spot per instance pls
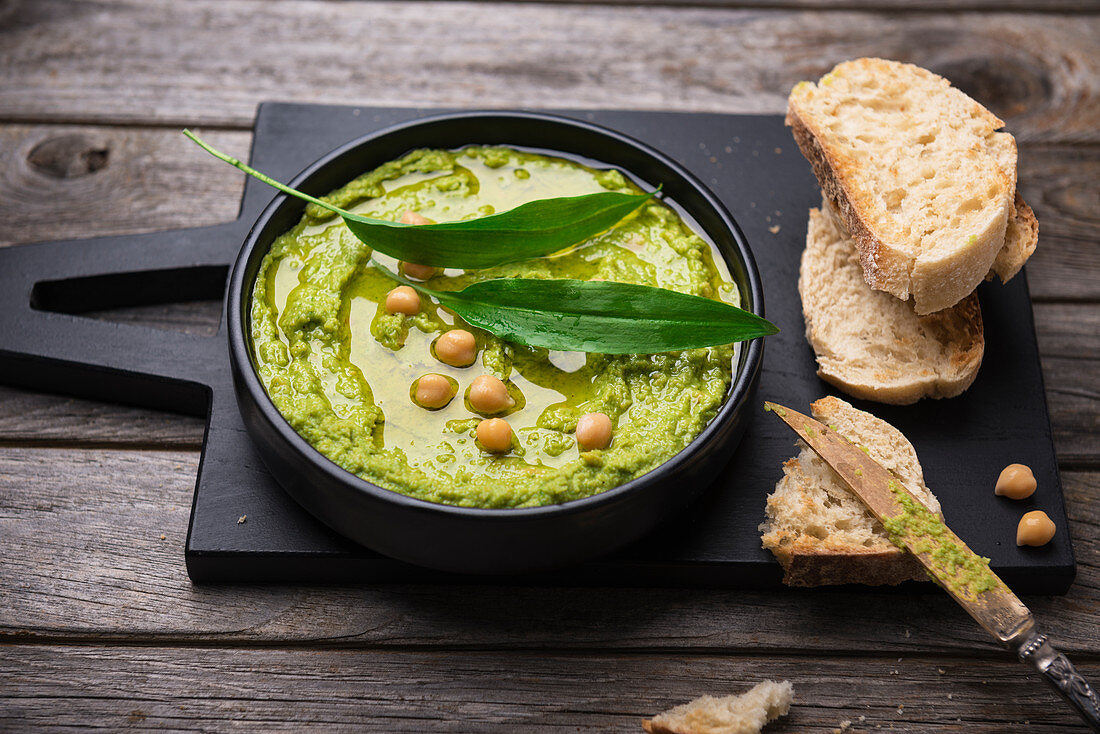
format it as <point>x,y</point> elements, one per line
<point>339,367</point>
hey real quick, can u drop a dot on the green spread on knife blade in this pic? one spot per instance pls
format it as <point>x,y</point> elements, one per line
<point>918,528</point>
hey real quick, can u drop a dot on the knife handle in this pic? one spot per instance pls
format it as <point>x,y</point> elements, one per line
<point>1060,673</point>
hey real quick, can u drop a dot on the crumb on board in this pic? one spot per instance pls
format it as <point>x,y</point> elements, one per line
<point>774,229</point>
<point>843,727</point>
<point>164,537</point>
<point>241,519</point>
<point>941,671</point>
<point>778,151</point>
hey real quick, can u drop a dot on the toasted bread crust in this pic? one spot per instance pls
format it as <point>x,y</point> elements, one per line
<point>874,256</point>
<point>1021,239</point>
<point>891,355</point>
<point>828,567</point>
<point>953,255</point>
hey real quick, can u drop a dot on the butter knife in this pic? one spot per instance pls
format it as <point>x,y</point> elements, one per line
<point>946,558</point>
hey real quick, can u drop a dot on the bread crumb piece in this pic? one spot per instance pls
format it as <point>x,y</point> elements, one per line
<point>843,727</point>
<point>744,714</point>
<point>241,519</point>
<point>941,671</point>
<point>774,229</point>
<point>163,537</point>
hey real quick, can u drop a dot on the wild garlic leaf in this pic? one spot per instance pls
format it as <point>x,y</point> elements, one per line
<point>595,316</point>
<point>530,230</point>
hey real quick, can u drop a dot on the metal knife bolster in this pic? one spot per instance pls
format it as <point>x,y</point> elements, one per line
<point>1034,648</point>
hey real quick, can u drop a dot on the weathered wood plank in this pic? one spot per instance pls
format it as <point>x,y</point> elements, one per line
<point>1069,342</point>
<point>1062,185</point>
<point>64,182</point>
<point>211,62</point>
<point>1050,6</point>
<point>149,180</point>
<point>28,417</point>
<point>218,689</point>
<point>92,543</point>
<point>1069,345</point>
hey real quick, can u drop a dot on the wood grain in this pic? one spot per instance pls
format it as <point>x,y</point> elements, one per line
<point>1050,6</point>
<point>218,689</point>
<point>148,180</point>
<point>211,62</point>
<point>1069,348</point>
<point>1062,185</point>
<point>112,568</point>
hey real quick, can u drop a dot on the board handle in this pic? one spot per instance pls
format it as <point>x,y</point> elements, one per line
<point>47,344</point>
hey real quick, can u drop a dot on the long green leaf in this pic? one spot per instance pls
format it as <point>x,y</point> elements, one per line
<point>596,316</point>
<point>530,230</point>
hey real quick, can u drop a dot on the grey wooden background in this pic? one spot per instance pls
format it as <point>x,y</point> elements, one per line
<point>100,625</point>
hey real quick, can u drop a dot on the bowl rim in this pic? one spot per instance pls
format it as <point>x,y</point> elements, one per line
<point>237,313</point>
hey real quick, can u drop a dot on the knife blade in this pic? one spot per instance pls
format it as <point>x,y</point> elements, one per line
<point>964,574</point>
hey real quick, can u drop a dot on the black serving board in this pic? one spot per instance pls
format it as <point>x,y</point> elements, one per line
<point>751,163</point>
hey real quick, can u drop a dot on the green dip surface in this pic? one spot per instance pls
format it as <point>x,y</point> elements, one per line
<point>340,368</point>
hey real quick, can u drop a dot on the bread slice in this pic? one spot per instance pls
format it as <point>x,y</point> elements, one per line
<point>744,714</point>
<point>916,169</point>
<point>868,343</point>
<point>1021,239</point>
<point>819,531</point>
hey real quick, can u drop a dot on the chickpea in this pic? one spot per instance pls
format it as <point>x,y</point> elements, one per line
<point>403,299</point>
<point>433,391</point>
<point>489,394</point>
<point>411,217</point>
<point>420,272</point>
<point>1016,482</point>
<point>457,348</point>
<point>593,431</point>
<point>1035,528</point>
<point>495,435</point>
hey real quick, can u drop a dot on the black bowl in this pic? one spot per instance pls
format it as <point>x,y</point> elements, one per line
<point>468,540</point>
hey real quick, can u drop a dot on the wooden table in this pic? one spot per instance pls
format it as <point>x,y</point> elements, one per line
<point>101,625</point>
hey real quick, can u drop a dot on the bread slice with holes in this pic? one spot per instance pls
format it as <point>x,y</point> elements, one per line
<point>819,531</point>
<point>743,714</point>
<point>871,345</point>
<point>918,172</point>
